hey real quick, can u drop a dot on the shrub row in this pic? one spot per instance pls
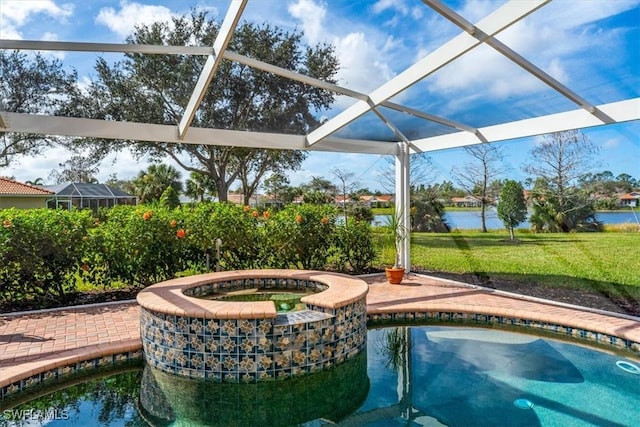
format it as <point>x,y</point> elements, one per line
<point>45,253</point>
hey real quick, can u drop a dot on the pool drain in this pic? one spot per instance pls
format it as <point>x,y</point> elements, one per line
<point>628,367</point>
<point>523,403</point>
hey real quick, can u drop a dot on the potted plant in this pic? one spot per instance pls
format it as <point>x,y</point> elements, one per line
<point>398,233</point>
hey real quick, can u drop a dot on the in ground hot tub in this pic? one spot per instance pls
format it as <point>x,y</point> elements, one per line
<point>249,341</point>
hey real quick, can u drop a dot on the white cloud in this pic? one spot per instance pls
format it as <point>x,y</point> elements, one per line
<point>361,63</point>
<point>312,16</point>
<point>31,168</point>
<point>123,21</point>
<point>361,56</point>
<point>15,14</point>
<point>396,6</point>
<point>546,39</point>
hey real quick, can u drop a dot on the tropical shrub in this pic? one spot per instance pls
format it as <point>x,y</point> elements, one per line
<point>45,253</point>
<point>141,245</point>
<point>41,252</point>
<point>235,226</point>
<point>361,212</point>
<point>299,237</point>
<point>354,246</point>
<point>427,213</point>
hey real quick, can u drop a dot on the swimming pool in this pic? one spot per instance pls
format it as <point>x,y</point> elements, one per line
<point>418,375</point>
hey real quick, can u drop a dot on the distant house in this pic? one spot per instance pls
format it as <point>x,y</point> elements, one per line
<point>14,194</point>
<point>630,199</point>
<point>382,201</point>
<point>366,199</point>
<point>87,196</point>
<point>466,202</point>
<point>342,200</point>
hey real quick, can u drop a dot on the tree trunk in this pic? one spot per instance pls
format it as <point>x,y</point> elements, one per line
<point>483,216</point>
<point>223,189</point>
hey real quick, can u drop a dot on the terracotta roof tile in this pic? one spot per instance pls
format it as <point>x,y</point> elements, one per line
<point>10,187</point>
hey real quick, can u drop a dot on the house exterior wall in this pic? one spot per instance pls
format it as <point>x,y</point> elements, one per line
<point>29,202</point>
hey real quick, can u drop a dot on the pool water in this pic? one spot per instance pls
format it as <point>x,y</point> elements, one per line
<point>427,375</point>
<point>285,300</point>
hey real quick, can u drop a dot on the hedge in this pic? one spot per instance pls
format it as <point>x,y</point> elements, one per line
<point>45,253</point>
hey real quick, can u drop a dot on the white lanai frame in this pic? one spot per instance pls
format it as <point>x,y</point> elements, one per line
<point>321,139</point>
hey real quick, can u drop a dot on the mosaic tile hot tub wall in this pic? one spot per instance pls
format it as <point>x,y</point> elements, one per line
<point>250,350</point>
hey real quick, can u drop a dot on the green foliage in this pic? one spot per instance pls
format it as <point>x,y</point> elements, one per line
<point>427,213</point>
<point>354,245</point>
<point>149,185</point>
<point>45,253</point>
<point>395,233</point>
<point>33,84</point>
<point>360,212</point>
<point>41,250</point>
<point>156,88</point>
<point>299,237</point>
<point>169,198</point>
<point>140,245</point>
<point>558,203</point>
<point>512,208</point>
<point>574,212</point>
<point>237,228</point>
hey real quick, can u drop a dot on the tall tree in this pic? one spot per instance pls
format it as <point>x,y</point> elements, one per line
<point>30,84</point>
<point>512,207</point>
<point>256,163</point>
<point>156,89</point>
<point>150,184</point>
<point>477,175</point>
<point>346,184</point>
<point>557,163</point>
<point>319,191</point>
<point>421,171</point>
<point>276,185</point>
<point>75,169</point>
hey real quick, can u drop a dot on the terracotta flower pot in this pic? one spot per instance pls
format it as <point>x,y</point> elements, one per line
<point>394,275</point>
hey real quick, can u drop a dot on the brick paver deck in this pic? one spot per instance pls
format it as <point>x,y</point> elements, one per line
<point>36,342</point>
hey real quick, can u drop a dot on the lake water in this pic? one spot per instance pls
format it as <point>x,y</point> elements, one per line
<point>471,219</point>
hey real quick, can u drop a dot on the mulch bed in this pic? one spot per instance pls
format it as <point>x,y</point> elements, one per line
<point>581,297</point>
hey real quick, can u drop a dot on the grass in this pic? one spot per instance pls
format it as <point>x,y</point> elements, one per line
<point>606,262</point>
<point>382,211</point>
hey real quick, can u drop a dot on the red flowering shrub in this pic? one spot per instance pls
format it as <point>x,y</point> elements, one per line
<point>140,252</point>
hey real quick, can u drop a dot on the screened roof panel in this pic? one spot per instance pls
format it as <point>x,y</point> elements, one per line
<point>509,68</point>
<point>370,127</point>
<point>88,190</point>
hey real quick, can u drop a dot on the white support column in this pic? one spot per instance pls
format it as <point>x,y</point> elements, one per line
<point>402,202</point>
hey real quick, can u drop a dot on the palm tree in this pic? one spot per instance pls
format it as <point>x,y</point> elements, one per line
<point>150,184</point>
<point>198,186</point>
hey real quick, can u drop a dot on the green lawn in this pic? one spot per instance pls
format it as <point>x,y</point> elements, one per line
<point>606,262</point>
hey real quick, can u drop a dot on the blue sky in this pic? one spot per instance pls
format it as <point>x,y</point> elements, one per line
<point>592,46</point>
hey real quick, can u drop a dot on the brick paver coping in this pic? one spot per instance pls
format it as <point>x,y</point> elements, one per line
<point>36,342</point>
<point>170,297</point>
